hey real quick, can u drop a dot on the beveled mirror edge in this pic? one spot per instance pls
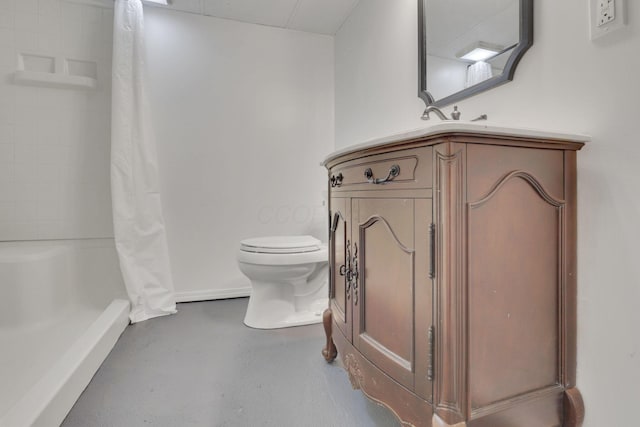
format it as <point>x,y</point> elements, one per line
<point>526,41</point>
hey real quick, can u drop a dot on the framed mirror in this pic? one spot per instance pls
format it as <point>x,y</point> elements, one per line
<point>469,46</point>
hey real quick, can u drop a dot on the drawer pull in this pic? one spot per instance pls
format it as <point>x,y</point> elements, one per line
<point>393,172</point>
<point>336,180</point>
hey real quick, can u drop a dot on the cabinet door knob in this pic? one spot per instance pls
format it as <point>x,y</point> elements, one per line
<point>342,270</point>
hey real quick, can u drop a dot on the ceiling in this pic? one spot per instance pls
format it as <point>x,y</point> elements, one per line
<point>313,16</point>
<point>452,26</point>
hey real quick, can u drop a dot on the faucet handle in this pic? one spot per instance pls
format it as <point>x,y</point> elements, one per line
<point>480,117</point>
<point>455,114</point>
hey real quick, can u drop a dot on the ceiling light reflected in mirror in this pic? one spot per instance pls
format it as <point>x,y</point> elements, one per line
<point>479,51</point>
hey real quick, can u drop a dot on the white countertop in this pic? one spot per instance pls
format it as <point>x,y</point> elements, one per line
<point>459,126</point>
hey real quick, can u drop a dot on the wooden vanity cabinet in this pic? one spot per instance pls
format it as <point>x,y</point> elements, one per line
<point>384,240</point>
<point>452,283</point>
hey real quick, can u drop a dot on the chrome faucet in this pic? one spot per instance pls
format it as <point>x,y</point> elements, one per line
<point>455,115</point>
<point>430,98</point>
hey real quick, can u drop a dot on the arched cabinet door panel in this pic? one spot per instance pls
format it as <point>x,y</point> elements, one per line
<point>390,261</point>
<point>339,289</point>
<point>515,285</point>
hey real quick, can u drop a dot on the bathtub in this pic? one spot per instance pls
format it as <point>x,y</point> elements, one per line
<point>62,308</point>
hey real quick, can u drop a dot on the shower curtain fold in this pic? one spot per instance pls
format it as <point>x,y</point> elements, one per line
<point>477,73</point>
<point>137,213</point>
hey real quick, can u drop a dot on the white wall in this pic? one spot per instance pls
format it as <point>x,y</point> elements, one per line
<point>243,115</point>
<point>376,85</point>
<point>565,82</point>
<point>54,143</point>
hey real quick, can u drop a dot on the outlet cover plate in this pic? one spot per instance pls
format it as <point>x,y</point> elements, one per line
<point>598,28</point>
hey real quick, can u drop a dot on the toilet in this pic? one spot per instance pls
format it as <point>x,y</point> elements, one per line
<point>289,280</point>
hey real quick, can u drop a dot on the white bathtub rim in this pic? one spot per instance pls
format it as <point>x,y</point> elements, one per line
<point>48,402</point>
<point>63,313</point>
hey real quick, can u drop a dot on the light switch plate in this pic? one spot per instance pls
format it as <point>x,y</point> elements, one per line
<point>606,17</point>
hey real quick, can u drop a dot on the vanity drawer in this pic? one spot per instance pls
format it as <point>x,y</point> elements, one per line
<point>398,170</point>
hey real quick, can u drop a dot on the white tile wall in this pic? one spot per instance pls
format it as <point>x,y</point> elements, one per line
<point>54,143</point>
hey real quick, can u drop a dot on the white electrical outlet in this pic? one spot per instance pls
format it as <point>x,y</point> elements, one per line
<point>606,12</point>
<point>606,17</point>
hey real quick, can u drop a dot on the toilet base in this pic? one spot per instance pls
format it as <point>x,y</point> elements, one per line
<point>310,316</point>
<point>286,289</point>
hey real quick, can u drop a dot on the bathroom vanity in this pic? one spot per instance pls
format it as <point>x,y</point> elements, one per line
<point>453,275</point>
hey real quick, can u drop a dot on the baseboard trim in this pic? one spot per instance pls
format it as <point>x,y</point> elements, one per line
<point>212,294</point>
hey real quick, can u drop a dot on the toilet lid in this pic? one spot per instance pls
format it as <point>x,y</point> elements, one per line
<point>281,244</point>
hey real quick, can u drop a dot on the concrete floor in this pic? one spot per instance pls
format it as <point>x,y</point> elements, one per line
<point>203,367</point>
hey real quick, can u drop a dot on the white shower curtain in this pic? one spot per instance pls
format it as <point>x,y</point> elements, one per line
<point>478,72</point>
<point>137,214</point>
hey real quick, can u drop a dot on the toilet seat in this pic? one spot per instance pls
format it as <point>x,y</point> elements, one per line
<point>321,254</point>
<point>281,245</point>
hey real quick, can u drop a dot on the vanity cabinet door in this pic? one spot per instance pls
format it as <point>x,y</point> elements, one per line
<point>392,294</point>
<point>339,241</point>
<point>517,225</point>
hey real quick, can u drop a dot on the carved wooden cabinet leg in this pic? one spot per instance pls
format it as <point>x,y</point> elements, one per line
<point>436,421</point>
<point>573,408</point>
<point>329,352</point>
